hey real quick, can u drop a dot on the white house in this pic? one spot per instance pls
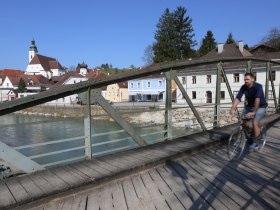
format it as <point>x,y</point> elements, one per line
<point>42,65</point>
<point>200,82</point>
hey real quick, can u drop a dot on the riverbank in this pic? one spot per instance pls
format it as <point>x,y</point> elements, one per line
<point>144,114</point>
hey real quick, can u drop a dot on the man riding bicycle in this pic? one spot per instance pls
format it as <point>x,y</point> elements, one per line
<point>255,104</point>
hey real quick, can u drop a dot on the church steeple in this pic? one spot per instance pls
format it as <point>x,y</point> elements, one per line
<point>32,50</point>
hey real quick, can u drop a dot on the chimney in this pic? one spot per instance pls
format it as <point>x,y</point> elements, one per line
<point>220,48</point>
<point>241,45</point>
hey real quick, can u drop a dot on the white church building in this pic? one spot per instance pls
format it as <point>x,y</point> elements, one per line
<point>42,65</point>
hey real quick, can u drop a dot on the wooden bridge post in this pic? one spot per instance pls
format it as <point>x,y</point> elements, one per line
<point>217,111</point>
<point>87,125</point>
<point>267,76</point>
<point>168,106</point>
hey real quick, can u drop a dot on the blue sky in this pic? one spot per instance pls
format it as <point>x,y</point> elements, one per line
<point>118,31</point>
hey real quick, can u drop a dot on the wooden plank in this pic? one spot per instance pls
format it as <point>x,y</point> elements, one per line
<point>98,167</point>
<point>69,176</point>
<point>92,174</point>
<point>179,190</point>
<point>215,203</point>
<point>18,192</point>
<point>68,201</point>
<point>216,188</point>
<point>237,193</point>
<point>55,181</point>
<point>142,193</point>
<point>79,201</point>
<point>6,198</point>
<point>30,187</point>
<point>106,200</point>
<point>158,199</point>
<point>131,198</point>
<point>43,184</point>
<point>93,199</point>
<point>182,180</point>
<point>167,193</point>
<point>118,196</point>
<point>245,182</point>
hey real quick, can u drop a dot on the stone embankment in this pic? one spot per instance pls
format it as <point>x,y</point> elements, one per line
<point>181,117</point>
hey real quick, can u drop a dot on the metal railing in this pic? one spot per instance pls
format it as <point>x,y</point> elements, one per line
<point>84,146</point>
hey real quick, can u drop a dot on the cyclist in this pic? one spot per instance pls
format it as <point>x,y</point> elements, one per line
<point>255,105</point>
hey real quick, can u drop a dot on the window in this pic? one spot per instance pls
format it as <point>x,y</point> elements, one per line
<point>194,79</point>
<point>149,84</point>
<point>222,95</point>
<point>193,94</point>
<point>138,85</point>
<point>208,79</point>
<point>159,83</point>
<point>272,76</point>
<point>184,80</point>
<point>236,77</point>
<point>131,85</point>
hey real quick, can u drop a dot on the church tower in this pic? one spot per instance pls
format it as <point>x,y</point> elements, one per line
<point>32,50</point>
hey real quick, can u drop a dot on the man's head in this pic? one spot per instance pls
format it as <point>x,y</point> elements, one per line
<point>249,79</point>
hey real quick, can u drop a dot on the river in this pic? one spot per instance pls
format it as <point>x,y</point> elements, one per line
<point>18,129</point>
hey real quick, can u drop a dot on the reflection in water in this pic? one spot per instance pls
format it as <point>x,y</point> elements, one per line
<point>18,130</point>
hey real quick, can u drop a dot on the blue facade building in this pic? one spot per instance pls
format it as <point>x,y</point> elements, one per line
<point>147,89</point>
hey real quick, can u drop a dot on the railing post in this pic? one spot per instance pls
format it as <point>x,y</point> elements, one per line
<point>168,106</point>
<point>249,67</point>
<point>217,111</point>
<point>87,125</point>
<point>278,110</point>
<point>272,86</point>
<point>267,81</point>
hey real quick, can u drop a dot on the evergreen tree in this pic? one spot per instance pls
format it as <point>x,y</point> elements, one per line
<point>21,86</point>
<point>174,36</point>
<point>230,40</point>
<point>208,43</point>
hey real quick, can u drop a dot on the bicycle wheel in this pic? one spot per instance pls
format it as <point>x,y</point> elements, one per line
<point>262,139</point>
<point>236,144</point>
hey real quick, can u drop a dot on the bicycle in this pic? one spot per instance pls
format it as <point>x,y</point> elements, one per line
<point>240,136</point>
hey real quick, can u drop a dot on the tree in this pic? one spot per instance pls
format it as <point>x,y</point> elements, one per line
<point>230,40</point>
<point>208,43</point>
<point>174,36</point>
<point>148,57</point>
<point>21,86</point>
<point>272,39</point>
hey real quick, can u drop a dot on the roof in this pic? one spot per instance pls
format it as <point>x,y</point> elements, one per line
<point>11,72</point>
<point>229,50</point>
<point>47,63</point>
<point>37,80</point>
<point>122,84</point>
<point>63,78</point>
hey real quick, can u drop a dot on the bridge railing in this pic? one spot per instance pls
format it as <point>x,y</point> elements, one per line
<point>62,151</point>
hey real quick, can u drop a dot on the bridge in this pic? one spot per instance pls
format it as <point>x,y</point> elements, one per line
<point>178,172</point>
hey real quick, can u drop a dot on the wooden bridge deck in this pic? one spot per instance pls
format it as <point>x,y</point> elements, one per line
<point>154,178</point>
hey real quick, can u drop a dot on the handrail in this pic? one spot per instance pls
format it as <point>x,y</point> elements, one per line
<point>63,91</point>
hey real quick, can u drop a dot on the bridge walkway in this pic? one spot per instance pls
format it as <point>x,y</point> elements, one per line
<point>181,174</point>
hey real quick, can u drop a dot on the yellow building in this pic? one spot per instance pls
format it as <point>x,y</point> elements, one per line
<point>117,92</point>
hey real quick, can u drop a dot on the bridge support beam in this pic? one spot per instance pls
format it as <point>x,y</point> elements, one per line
<point>20,161</point>
<point>188,100</point>
<point>217,110</point>
<point>118,118</point>
<point>168,106</point>
<point>272,86</point>
<point>87,125</point>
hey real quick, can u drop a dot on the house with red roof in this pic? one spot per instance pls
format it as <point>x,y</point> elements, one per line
<point>42,65</point>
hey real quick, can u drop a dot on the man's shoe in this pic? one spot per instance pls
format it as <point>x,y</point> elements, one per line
<point>254,147</point>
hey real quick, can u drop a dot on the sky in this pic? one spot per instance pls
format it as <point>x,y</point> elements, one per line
<point>117,32</point>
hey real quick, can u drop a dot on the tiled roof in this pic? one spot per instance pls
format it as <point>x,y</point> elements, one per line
<point>66,76</point>
<point>229,50</point>
<point>11,72</point>
<point>47,63</point>
<point>38,80</point>
<point>122,85</point>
